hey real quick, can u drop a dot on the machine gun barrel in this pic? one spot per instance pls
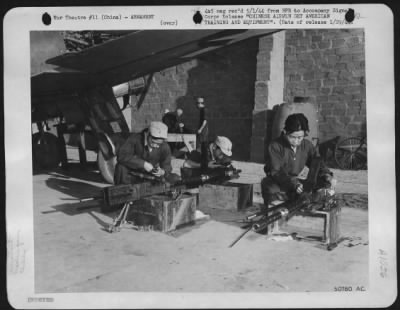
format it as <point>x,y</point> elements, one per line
<point>204,178</point>
<point>263,212</point>
<point>123,193</point>
<point>286,209</point>
<point>254,215</point>
<point>86,199</point>
<point>146,176</point>
<point>263,223</point>
<point>240,237</point>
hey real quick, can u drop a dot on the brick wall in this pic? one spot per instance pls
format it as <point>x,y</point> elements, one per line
<point>329,66</point>
<point>225,79</point>
<point>164,89</point>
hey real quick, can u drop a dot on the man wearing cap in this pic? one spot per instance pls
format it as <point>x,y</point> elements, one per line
<point>146,152</point>
<point>218,154</point>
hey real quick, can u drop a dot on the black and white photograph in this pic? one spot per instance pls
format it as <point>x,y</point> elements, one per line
<point>205,159</point>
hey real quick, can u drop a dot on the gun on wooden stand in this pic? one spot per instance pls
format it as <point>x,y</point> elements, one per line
<point>126,194</point>
<point>287,209</point>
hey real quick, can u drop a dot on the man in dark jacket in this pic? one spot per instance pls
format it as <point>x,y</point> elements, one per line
<point>173,120</point>
<point>147,152</point>
<point>288,155</point>
<point>202,131</point>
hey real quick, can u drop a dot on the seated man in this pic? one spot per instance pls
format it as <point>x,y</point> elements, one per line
<point>218,154</point>
<point>146,152</point>
<point>288,155</point>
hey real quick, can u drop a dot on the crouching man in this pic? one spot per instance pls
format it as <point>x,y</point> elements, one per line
<point>217,154</point>
<point>288,155</point>
<point>147,152</point>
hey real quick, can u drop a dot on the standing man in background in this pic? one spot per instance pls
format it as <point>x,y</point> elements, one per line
<point>202,132</point>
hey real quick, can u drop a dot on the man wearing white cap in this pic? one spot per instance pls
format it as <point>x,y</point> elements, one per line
<point>147,152</point>
<point>218,154</point>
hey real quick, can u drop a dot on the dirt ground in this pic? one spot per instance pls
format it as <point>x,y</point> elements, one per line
<point>75,253</point>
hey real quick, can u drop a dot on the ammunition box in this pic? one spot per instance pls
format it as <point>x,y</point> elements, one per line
<point>165,213</point>
<point>227,196</point>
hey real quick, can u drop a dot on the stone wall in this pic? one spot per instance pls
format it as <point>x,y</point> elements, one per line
<point>225,78</point>
<point>329,66</point>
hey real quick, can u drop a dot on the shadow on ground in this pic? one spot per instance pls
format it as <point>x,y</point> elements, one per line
<point>89,172</point>
<point>77,190</point>
<point>73,188</point>
<point>229,217</point>
<point>91,208</point>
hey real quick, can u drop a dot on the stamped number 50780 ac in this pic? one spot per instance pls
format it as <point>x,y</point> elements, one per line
<point>349,289</point>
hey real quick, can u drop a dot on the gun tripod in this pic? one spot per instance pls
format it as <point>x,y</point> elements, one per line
<point>120,221</point>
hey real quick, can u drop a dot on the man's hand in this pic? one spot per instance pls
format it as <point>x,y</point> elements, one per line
<point>299,188</point>
<point>158,172</point>
<point>213,164</point>
<point>190,164</point>
<point>148,167</point>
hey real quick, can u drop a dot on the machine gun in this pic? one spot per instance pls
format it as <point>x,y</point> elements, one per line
<point>119,194</point>
<point>287,209</point>
<point>126,194</point>
<point>283,211</point>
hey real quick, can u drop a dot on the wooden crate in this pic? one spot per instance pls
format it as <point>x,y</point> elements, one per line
<point>229,196</point>
<point>166,214</point>
<point>179,137</point>
<point>182,137</point>
<point>321,226</point>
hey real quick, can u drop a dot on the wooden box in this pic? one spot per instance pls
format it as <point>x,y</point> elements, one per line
<point>316,225</point>
<point>164,213</point>
<point>183,137</point>
<point>229,196</point>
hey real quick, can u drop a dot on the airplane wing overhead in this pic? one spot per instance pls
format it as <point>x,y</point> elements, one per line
<point>52,83</point>
<point>134,55</point>
<point>127,49</point>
